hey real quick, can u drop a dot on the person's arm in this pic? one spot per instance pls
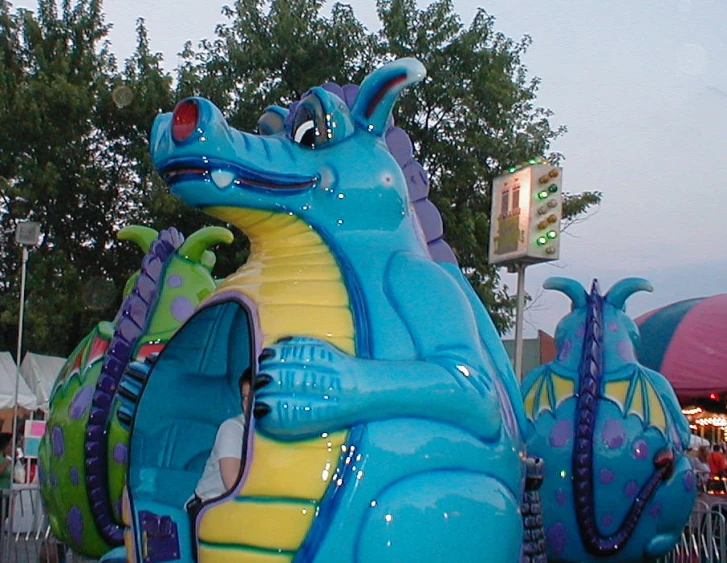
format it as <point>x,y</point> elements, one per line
<point>230,438</point>
<point>229,469</point>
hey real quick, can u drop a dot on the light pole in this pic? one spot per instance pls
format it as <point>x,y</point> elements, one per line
<point>27,234</point>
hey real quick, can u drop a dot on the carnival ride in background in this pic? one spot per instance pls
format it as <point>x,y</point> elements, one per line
<point>388,423</point>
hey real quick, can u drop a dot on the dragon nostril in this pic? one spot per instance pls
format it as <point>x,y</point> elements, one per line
<point>184,120</point>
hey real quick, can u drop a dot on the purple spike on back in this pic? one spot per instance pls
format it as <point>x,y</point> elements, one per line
<point>134,316</point>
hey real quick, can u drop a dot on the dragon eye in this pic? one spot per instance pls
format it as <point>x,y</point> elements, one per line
<point>310,126</point>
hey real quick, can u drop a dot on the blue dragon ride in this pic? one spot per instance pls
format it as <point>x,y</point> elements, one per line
<point>618,486</point>
<point>387,421</point>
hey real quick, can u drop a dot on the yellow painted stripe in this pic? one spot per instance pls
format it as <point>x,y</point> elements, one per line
<point>657,417</point>
<point>213,554</point>
<point>637,401</point>
<point>530,401</point>
<point>300,469</point>
<point>618,391</point>
<point>249,523</point>
<point>285,320</point>
<point>564,388</point>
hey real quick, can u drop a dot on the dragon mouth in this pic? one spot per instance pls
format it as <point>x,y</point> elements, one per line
<point>224,174</point>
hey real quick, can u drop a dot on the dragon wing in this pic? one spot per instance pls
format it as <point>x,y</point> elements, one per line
<point>544,391</point>
<point>638,395</point>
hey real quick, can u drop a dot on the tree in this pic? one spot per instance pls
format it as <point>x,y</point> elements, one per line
<point>473,117</point>
<point>73,158</point>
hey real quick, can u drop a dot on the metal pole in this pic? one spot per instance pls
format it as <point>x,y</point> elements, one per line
<point>520,269</point>
<point>20,347</point>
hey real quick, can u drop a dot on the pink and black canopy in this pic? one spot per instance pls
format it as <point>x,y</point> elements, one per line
<point>687,343</point>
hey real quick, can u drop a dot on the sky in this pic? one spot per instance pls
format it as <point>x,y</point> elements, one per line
<point>642,88</point>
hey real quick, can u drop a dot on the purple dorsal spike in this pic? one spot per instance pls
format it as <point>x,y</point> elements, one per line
<point>334,88</point>
<point>399,145</point>
<point>417,180</point>
<point>430,220</point>
<point>350,92</point>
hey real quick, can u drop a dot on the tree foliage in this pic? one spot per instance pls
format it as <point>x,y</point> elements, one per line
<point>74,153</point>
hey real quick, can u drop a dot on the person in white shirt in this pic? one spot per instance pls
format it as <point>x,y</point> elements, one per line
<point>222,467</point>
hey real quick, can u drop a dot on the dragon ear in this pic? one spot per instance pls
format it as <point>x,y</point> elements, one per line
<point>142,236</point>
<point>570,287</point>
<point>380,90</point>
<point>195,247</point>
<point>623,289</point>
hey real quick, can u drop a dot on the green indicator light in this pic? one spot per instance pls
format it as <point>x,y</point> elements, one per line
<point>542,194</point>
<point>552,234</point>
<point>541,241</point>
<point>553,188</point>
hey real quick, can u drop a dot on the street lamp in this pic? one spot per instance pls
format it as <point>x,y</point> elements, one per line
<point>27,234</point>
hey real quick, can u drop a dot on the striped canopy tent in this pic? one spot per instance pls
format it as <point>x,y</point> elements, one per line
<point>687,342</point>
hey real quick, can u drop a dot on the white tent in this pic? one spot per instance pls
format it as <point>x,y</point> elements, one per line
<point>26,399</point>
<point>8,374</point>
<point>40,372</point>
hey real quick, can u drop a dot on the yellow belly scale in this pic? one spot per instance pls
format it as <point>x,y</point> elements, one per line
<point>297,285</point>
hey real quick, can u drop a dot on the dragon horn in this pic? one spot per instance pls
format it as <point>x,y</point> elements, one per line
<point>623,289</point>
<point>379,92</point>
<point>195,247</point>
<point>142,236</point>
<point>570,287</point>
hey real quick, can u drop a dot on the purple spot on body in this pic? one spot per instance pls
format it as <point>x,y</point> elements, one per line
<point>565,349</point>
<point>612,326</point>
<point>74,476</point>
<point>641,449</point>
<point>561,432</point>
<point>174,281</point>
<point>631,489</point>
<point>655,511</point>
<point>606,520</point>
<point>119,507</point>
<point>606,476</point>
<point>182,308</point>
<point>557,538</point>
<point>79,404</point>
<point>560,497</point>
<point>120,453</point>
<point>57,440</point>
<point>613,433</point>
<point>53,479</point>
<point>626,350</point>
<point>689,481</point>
<point>74,520</point>
<point>581,331</point>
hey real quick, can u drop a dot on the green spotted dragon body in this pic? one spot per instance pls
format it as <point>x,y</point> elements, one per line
<point>83,455</point>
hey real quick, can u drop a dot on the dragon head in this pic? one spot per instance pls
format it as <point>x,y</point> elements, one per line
<point>619,332</point>
<point>324,160</point>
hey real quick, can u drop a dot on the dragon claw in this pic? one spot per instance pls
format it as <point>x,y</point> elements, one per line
<point>262,380</point>
<point>260,410</point>
<point>266,354</point>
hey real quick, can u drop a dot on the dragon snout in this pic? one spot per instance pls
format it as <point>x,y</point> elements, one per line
<point>664,461</point>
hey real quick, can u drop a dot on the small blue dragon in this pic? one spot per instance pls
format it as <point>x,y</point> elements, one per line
<point>388,423</point>
<point>617,485</point>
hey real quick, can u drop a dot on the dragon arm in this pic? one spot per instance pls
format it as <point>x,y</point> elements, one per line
<point>307,386</point>
<point>496,355</point>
